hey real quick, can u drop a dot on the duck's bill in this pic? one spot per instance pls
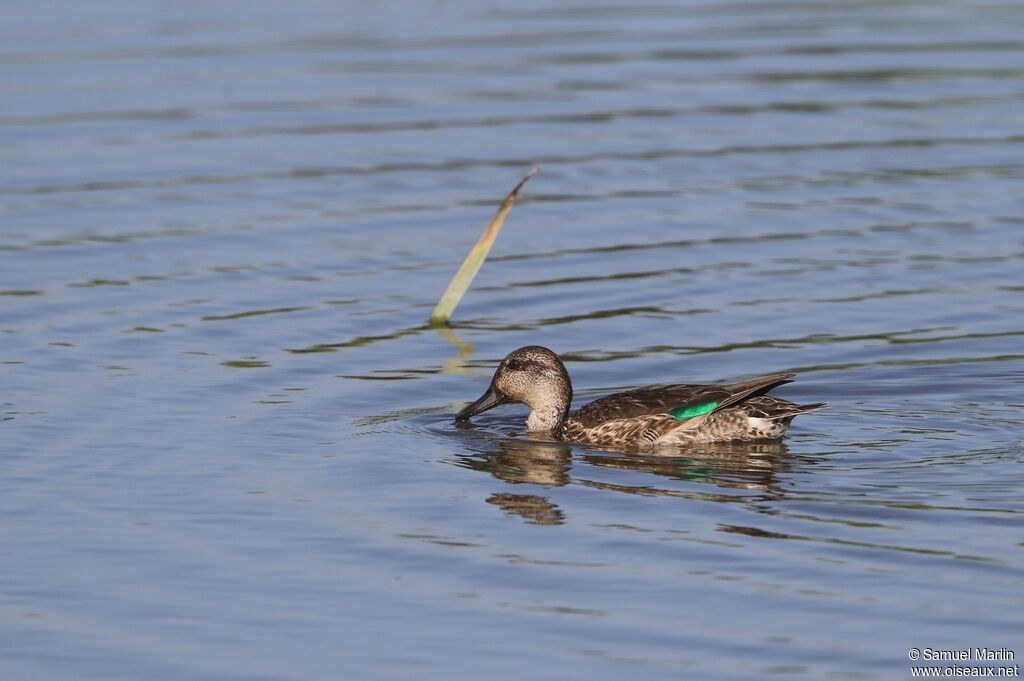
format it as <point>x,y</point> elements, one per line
<point>490,399</point>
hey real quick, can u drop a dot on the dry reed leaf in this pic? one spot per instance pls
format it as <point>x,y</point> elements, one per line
<point>471,265</point>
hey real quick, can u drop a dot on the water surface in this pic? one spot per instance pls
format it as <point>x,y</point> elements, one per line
<point>227,447</point>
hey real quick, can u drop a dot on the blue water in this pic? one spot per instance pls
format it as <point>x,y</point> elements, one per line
<point>226,437</point>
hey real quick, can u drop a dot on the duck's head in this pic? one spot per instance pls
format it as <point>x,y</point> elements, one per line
<point>534,376</point>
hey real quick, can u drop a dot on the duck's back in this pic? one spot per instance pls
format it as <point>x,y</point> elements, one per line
<point>648,401</point>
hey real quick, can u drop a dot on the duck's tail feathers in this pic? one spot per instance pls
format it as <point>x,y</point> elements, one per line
<point>787,411</point>
<point>755,386</point>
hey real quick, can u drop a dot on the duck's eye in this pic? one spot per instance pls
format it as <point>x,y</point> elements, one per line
<point>514,365</point>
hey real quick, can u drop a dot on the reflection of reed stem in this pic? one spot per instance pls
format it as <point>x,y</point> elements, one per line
<point>471,265</point>
<point>457,365</point>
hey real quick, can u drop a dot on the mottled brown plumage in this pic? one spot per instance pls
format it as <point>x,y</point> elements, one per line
<point>637,419</point>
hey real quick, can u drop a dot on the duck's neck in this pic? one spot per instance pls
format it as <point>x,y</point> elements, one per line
<point>546,420</point>
<point>550,409</point>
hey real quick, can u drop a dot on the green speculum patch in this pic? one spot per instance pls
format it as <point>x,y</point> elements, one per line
<point>683,413</point>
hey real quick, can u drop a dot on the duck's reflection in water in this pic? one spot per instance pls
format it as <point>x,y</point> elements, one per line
<point>738,472</point>
<point>526,461</point>
<point>739,465</point>
<point>533,508</point>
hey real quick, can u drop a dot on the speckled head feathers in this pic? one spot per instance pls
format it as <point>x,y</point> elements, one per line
<point>529,370</point>
<point>534,376</point>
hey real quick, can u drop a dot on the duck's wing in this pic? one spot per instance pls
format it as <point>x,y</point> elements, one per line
<point>678,402</point>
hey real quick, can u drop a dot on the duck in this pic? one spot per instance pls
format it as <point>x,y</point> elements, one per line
<point>648,418</point>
